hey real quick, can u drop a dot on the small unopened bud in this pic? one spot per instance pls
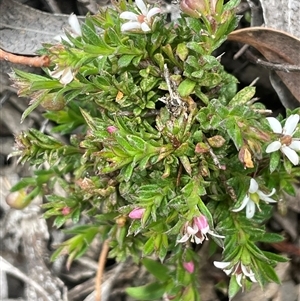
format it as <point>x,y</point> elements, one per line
<point>52,103</point>
<point>196,8</point>
<point>137,213</point>
<point>66,210</point>
<point>189,266</point>
<point>17,199</point>
<point>111,129</point>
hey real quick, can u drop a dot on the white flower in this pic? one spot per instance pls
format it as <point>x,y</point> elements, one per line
<point>75,29</point>
<point>65,75</point>
<point>252,198</point>
<point>239,270</point>
<point>142,21</point>
<point>286,143</point>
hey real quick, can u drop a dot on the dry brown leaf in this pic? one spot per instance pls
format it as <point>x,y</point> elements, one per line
<point>277,47</point>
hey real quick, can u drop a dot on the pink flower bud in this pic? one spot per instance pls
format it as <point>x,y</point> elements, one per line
<point>196,8</point>
<point>189,266</point>
<point>66,210</point>
<point>137,213</point>
<point>201,223</point>
<point>111,129</point>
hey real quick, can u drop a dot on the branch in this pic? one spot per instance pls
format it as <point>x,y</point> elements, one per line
<point>101,265</point>
<point>36,61</point>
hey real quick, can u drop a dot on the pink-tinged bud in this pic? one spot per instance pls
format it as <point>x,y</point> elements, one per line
<point>111,129</point>
<point>189,266</point>
<point>137,213</point>
<point>201,148</point>
<point>196,8</point>
<point>201,223</point>
<point>66,210</point>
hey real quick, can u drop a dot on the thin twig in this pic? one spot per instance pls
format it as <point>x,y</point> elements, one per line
<point>241,52</point>
<point>36,61</point>
<point>101,265</point>
<point>278,67</point>
<point>10,269</point>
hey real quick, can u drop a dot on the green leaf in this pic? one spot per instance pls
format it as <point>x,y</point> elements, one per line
<point>231,4</point>
<point>149,246</point>
<point>234,132</point>
<point>271,238</point>
<point>159,270</point>
<point>186,87</point>
<point>275,257</point>
<point>90,34</point>
<point>274,161</point>
<point>243,96</point>
<point>182,51</point>
<point>152,291</point>
<point>125,60</point>
<point>234,288</point>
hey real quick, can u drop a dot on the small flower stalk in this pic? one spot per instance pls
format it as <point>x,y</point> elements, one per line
<point>252,198</point>
<point>288,145</point>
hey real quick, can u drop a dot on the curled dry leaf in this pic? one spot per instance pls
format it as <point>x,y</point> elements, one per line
<point>277,47</point>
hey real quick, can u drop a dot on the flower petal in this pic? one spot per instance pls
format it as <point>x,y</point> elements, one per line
<point>130,26</point>
<point>145,27</point>
<point>184,238</point>
<point>291,154</point>
<point>243,204</point>
<point>67,76</point>
<point>291,124</point>
<point>221,264</point>
<point>273,147</point>
<point>74,23</point>
<point>250,209</point>
<point>191,231</point>
<point>239,279</point>
<point>266,197</point>
<point>245,271</point>
<point>142,7</point>
<point>152,12</point>
<point>252,278</point>
<point>295,145</point>
<point>128,15</point>
<point>253,186</point>
<point>216,235</point>
<point>275,125</point>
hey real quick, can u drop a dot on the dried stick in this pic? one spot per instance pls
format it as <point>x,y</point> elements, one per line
<point>101,265</point>
<point>36,61</point>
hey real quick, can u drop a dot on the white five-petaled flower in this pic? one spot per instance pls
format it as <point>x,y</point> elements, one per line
<point>239,270</point>
<point>252,198</point>
<point>286,143</point>
<point>197,232</point>
<point>141,21</point>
